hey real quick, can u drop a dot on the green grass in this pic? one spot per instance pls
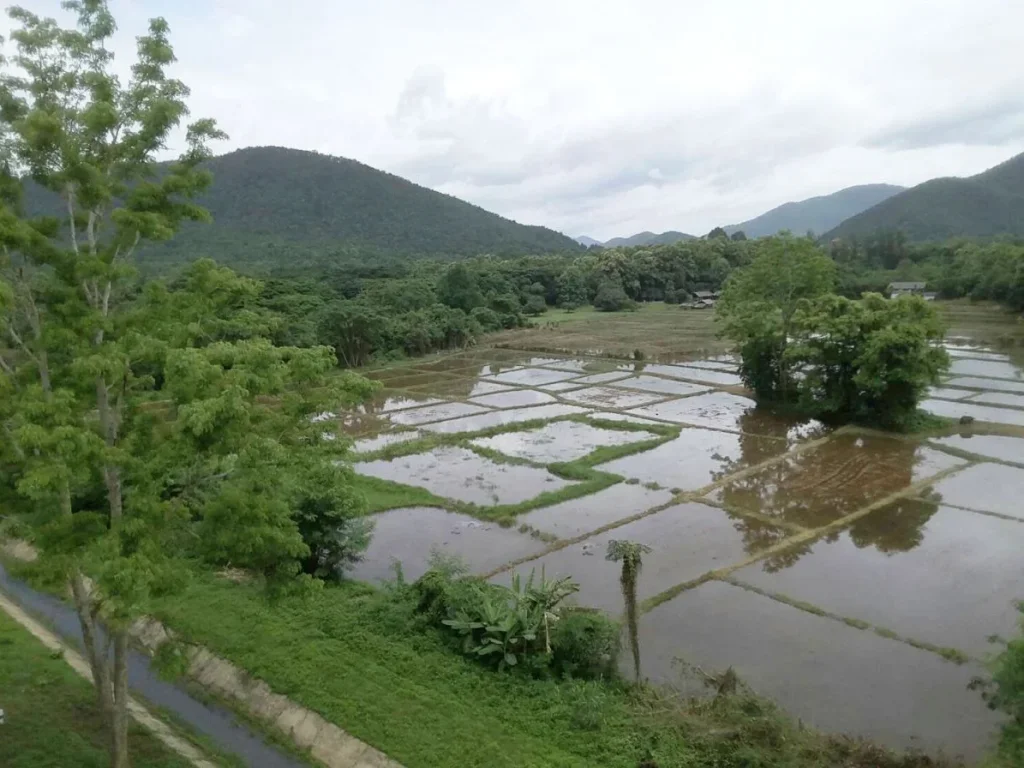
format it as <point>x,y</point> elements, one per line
<point>356,656</point>
<point>52,720</point>
<point>382,495</point>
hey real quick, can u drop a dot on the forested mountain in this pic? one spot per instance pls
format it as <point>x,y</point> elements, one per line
<point>274,206</point>
<point>648,238</point>
<point>991,203</point>
<point>587,241</point>
<point>817,214</point>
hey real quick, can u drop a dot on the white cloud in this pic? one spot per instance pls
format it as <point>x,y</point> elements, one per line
<point>607,118</point>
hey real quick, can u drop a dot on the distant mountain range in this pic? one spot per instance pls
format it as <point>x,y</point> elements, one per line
<point>990,203</point>
<point>641,238</point>
<point>817,214</point>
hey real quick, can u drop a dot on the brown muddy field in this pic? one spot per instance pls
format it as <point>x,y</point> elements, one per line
<point>855,577</point>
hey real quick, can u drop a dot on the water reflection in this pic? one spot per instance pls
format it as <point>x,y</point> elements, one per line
<point>815,487</point>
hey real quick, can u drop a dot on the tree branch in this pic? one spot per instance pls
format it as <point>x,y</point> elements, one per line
<point>71,218</point>
<point>90,231</point>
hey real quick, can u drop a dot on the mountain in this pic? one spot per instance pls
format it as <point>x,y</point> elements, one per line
<point>990,203</point>
<point>648,238</point>
<point>818,214</point>
<point>587,241</point>
<point>276,207</point>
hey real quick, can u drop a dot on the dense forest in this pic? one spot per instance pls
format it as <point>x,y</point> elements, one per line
<point>985,205</point>
<point>273,206</point>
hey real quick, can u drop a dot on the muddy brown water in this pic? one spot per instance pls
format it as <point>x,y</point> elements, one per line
<point>949,577</point>
<point>830,675</point>
<point>818,486</point>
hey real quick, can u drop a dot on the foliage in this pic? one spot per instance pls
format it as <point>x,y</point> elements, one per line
<point>585,644</point>
<point>572,288</point>
<point>758,305</point>
<point>143,424</point>
<point>611,297</point>
<point>457,288</point>
<point>1005,692</point>
<point>630,554</point>
<point>870,360</point>
<point>509,625</point>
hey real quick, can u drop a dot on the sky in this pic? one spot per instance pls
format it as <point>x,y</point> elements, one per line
<point>609,118</point>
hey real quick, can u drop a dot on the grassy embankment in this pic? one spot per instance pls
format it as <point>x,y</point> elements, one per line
<point>52,719</point>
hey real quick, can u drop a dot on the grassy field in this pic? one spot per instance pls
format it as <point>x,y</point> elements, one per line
<point>663,332</point>
<point>52,720</point>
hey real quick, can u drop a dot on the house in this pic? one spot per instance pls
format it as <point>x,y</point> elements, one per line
<point>901,289</point>
<point>705,295</point>
<point>930,296</point>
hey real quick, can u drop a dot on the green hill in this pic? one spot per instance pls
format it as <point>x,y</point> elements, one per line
<point>818,214</point>
<point>274,207</point>
<point>989,204</point>
<point>648,238</point>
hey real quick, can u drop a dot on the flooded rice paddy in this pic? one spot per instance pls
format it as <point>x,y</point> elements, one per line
<point>854,577</point>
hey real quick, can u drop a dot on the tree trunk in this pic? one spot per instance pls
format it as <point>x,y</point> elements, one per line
<point>119,721</point>
<point>111,472</point>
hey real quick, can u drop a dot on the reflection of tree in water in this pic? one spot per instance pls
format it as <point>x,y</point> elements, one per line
<point>818,486</point>
<point>898,527</point>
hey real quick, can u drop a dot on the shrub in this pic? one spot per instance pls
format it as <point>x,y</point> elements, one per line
<point>611,297</point>
<point>1005,692</point>
<point>535,305</point>
<point>488,319</point>
<point>585,644</point>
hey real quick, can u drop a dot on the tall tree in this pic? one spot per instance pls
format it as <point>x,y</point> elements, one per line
<point>759,302</point>
<point>139,425</point>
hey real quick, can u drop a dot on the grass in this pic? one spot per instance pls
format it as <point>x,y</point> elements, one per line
<point>356,656</point>
<point>52,720</point>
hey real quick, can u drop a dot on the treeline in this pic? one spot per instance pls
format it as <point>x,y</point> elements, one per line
<point>956,268</point>
<point>417,307</point>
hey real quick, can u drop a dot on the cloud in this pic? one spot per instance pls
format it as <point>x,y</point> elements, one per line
<point>995,124</point>
<point>607,118</point>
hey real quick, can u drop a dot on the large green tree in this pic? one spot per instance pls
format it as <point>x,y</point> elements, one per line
<point>140,426</point>
<point>759,302</point>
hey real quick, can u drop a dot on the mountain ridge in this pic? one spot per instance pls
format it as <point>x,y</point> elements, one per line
<point>816,214</point>
<point>987,204</point>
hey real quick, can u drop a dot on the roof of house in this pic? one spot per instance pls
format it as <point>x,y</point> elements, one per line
<point>912,286</point>
<point>707,294</point>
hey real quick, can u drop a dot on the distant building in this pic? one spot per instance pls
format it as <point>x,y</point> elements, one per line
<point>930,296</point>
<point>902,289</point>
<point>712,295</point>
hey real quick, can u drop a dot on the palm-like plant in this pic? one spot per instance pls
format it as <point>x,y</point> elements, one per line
<point>630,554</point>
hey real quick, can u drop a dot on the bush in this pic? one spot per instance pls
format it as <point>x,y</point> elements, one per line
<point>522,626</point>
<point>488,319</point>
<point>611,297</point>
<point>585,644</point>
<point>535,305</point>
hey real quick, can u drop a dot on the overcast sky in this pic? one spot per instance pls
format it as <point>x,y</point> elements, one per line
<point>607,118</point>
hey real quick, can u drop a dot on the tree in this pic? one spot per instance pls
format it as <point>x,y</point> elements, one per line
<point>717,234</point>
<point>758,304</point>
<point>1005,692</point>
<point>738,236</point>
<point>140,426</point>
<point>630,554</point>
<point>458,289</point>
<point>869,360</point>
<point>572,288</point>
<point>355,330</point>
<point>611,297</point>
<point>535,305</point>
